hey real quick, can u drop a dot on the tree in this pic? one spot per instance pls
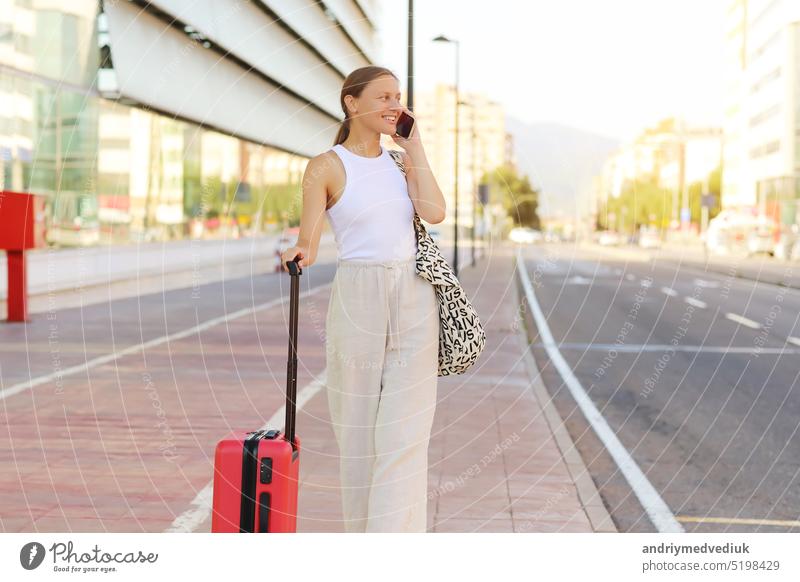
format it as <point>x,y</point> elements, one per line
<point>696,190</point>
<point>641,202</point>
<point>519,199</point>
<point>645,202</point>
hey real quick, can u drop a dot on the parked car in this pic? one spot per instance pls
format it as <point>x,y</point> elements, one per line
<point>794,252</point>
<point>741,231</point>
<point>649,238</point>
<point>524,235</point>
<point>788,243</point>
<point>608,238</point>
<point>762,238</point>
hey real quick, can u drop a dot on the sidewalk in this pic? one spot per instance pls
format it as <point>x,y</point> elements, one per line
<point>500,461</point>
<point>496,461</point>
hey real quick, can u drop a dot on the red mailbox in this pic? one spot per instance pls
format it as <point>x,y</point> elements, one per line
<point>22,226</point>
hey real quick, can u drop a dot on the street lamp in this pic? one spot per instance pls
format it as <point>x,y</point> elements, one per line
<point>442,38</point>
<point>410,57</point>
<point>474,183</point>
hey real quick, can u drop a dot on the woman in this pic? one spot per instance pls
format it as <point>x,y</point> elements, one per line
<point>382,326</point>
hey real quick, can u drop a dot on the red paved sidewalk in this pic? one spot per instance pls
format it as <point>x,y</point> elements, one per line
<point>130,444</point>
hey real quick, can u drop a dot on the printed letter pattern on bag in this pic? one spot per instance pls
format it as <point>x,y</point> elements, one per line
<point>461,334</point>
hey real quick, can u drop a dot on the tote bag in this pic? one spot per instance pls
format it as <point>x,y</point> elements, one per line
<point>461,334</point>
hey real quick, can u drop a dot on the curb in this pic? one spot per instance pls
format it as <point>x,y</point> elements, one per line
<point>588,494</point>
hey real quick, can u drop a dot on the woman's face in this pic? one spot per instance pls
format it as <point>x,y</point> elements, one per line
<point>378,107</point>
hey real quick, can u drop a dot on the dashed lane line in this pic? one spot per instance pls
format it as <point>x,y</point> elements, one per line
<point>743,321</point>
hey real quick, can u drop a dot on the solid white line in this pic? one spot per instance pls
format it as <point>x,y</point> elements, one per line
<point>741,521</point>
<point>696,302</point>
<point>653,504</point>
<point>669,291</point>
<point>202,505</point>
<point>743,321</point>
<point>22,386</point>
<point>641,348</point>
<point>793,340</point>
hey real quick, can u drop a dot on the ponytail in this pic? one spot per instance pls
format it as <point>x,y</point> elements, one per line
<point>344,131</point>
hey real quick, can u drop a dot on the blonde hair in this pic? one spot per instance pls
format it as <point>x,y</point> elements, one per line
<point>354,85</point>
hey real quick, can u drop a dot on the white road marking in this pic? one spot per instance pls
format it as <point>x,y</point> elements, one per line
<point>646,283</point>
<point>669,291</point>
<point>706,284</point>
<point>743,321</point>
<point>93,363</point>
<point>635,349</point>
<point>696,302</point>
<point>202,505</point>
<point>578,280</point>
<point>740,521</point>
<point>653,504</point>
<point>793,340</point>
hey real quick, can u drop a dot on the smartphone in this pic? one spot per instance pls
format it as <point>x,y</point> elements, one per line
<point>405,124</point>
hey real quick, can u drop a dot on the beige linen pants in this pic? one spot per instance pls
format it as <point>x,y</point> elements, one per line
<point>382,331</point>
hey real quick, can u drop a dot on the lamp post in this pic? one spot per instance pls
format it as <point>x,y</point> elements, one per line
<point>410,57</point>
<point>473,163</point>
<point>442,38</point>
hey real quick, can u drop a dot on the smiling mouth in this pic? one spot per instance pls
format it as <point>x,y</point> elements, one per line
<point>390,118</point>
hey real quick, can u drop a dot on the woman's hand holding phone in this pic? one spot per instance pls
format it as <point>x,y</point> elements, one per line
<point>413,140</point>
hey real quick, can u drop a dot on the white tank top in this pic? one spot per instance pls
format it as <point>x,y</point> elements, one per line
<point>374,217</point>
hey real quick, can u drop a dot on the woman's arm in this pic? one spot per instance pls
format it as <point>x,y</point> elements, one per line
<point>312,221</point>
<point>422,187</point>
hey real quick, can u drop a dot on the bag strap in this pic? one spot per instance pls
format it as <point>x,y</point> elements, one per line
<point>398,159</point>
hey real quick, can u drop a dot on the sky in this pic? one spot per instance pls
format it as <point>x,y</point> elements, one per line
<point>612,67</point>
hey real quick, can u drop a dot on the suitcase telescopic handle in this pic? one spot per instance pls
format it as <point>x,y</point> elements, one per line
<point>291,368</point>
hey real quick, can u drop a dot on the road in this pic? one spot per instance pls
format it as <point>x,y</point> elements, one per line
<point>696,374</point>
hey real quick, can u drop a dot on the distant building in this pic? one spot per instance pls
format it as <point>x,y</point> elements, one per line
<point>511,155</point>
<point>673,154</point>
<point>762,108</point>
<point>483,146</point>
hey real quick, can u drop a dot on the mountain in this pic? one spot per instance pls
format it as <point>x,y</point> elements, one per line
<point>561,161</point>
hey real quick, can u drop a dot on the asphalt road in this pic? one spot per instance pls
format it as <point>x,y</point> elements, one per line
<point>697,375</point>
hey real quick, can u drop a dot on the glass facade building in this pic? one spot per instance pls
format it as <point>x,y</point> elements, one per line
<point>116,170</point>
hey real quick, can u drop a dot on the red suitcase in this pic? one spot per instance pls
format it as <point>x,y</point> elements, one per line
<point>256,472</point>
